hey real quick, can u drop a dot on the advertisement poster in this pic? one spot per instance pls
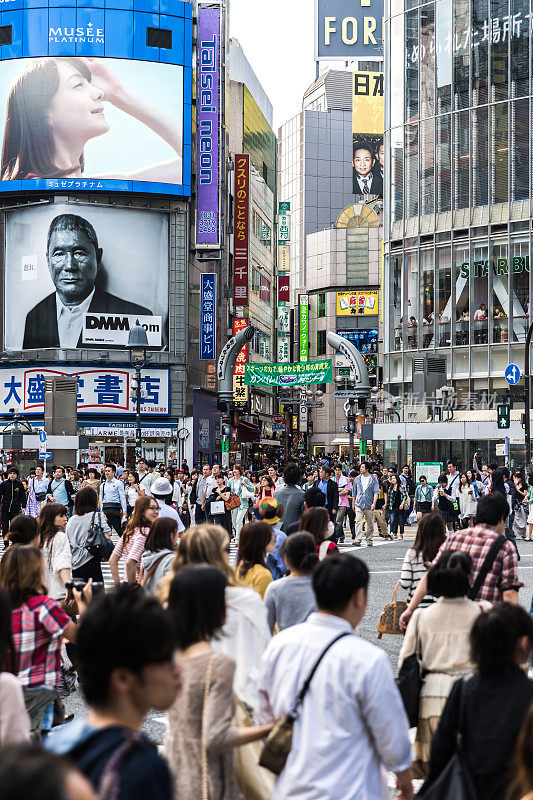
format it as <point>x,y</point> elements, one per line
<point>114,329</point>
<point>352,304</point>
<point>367,129</point>
<point>208,305</point>
<point>304,327</point>
<point>104,390</point>
<point>64,122</point>
<point>240,391</point>
<point>67,260</point>
<point>208,102</point>
<point>303,374</point>
<point>241,230</point>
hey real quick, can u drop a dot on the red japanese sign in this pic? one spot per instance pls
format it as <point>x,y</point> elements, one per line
<point>283,289</point>
<point>241,230</point>
<point>240,391</point>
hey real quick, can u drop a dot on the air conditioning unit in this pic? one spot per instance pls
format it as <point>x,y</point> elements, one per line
<point>429,374</point>
<point>60,406</point>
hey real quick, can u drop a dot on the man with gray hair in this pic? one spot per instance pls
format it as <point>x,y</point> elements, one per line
<point>74,261</point>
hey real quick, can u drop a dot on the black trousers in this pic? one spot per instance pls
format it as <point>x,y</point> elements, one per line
<point>6,516</point>
<point>91,569</point>
<point>200,514</point>
<point>115,522</point>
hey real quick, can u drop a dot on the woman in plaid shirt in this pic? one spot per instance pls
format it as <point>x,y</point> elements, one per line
<point>38,625</point>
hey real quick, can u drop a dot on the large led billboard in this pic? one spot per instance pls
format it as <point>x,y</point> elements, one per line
<point>77,276</point>
<point>95,99</point>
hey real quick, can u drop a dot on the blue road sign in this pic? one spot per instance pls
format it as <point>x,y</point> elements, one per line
<point>512,374</point>
<point>45,456</point>
<point>42,436</point>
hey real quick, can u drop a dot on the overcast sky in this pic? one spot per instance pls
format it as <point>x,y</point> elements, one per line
<point>277,39</point>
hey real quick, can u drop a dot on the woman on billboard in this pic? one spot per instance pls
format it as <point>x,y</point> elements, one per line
<point>56,105</point>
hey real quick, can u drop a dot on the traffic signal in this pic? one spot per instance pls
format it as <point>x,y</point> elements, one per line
<point>352,424</point>
<point>226,426</point>
<point>504,416</point>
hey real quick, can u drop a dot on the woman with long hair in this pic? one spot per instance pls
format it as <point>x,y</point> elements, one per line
<point>256,540</point>
<point>159,553</point>
<point>485,711</point>
<point>217,512</point>
<point>130,546</point>
<point>132,490</point>
<point>201,735</point>
<point>290,600</point>
<point>39,625</point>
<point>467,496</point>
<point>14,720</point>
<point>397,502</point>
<point>56,548</point>
<point>56,105</point>
<point>245,634</point>
<point>430,534</point>
<point>316,522</point>
<point>84,565</point>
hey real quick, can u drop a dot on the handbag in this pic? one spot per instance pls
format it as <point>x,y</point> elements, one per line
<point>203,742</point>
<point>455,781</point>
<point>39,496</point>
<point>389,619</point>
<point>217,507</point>
<point>97,544</point>
<point>278,743</point>
<point>233,502</point>
<point>254,781</point>
<point>410,681</point>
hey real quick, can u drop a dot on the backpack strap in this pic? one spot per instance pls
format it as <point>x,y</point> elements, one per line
<point>490,558</point>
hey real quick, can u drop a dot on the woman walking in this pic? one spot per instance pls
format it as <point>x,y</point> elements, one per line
<point>217,512</point>
<point>159,553</point>
<point>467,495</point>
<point>316,522</point>
<point>256,540</point>
<point>201,737</point>
<point>397,503</point>
<point>423,498</point>
<point>130,546</point>
<point>290,600</point>
<point>86,514</point>
<point>430,534</point>
<point>56,548</point>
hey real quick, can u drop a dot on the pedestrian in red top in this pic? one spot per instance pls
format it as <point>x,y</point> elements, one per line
<point>38,624</point>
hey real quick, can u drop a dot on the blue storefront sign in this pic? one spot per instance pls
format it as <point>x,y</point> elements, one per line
<point>208,304</point>
<point>132,70</point>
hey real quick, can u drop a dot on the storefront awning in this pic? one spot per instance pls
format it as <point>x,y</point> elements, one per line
<point>271,443</point>
<point>248,432</point>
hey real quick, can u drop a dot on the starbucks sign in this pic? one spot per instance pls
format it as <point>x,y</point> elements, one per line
<point>480,269</point>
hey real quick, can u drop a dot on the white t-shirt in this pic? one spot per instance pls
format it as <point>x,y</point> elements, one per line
<point>365,481</point>
<point>168,511</point>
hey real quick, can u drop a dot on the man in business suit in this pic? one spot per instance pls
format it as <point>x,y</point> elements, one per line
<point>74,261</point>
<point>365,180</point>
<point>331,492</point>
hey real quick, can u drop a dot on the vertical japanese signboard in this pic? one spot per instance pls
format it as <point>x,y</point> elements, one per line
<point>241,232</point>
<point>304,327</point>
<point>284,223</point>
<point>240,391</point>
<point>208,305</point>
<point>283,319</point>
<point>208,100</point>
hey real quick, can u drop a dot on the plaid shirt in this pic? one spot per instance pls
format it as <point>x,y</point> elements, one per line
<point>477,542</point>
<point>38,625</point>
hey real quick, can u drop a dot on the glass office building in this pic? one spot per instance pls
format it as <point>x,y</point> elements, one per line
<point>457,250</point>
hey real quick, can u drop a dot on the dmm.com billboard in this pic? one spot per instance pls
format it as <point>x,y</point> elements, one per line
<point>95,99</point>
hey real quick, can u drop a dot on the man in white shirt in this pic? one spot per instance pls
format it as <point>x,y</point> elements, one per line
<point>162,492</point>
<point>351,727</point>
<point>146,475</point>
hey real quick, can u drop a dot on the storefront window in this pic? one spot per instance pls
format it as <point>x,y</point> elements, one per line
<point>444,296</point>
<point>461,303</point>
<point>499,310</point>
<point>519,276</point>
<point>412,321</point>
<point>411,68</point>
<point>444,172</point>
<point>461,53</point>
<point>520,149</point>
<point>427,61</point>
<point>396,301</point>
<point>480,53</point>
<point>427,160</point>
<point>480,156</point>
<point>478,270</point>
<point>443,50</point>
<point>427,298</point>
<point>411,171</point>
<point>499,59</point>
<point>499,149</point>
<point>461,159</point>
<point>520,47</point>
<point>396,177</point>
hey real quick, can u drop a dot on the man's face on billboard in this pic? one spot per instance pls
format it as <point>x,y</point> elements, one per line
<point>73,263</point>
<point>380,155</point>
<point>363,162</point>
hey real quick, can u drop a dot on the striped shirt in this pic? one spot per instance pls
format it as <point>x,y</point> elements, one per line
<point>413,570</point>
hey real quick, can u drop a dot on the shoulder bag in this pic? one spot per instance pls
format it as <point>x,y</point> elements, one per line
<point>39,496</point>
<point>410,681</point>
<point>389,619</point>
<point>97,543</point>
<point>279,741</point>
<point>455,781</point>
<point>486,567</point>
<point>143,579</point>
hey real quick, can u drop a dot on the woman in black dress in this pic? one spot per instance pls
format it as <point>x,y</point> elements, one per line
<point>220,493</point>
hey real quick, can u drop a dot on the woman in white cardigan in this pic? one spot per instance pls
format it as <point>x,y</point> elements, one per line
<point>56,548</point>
<point>440,634</point>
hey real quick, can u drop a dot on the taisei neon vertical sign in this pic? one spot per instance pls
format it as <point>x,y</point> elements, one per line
<point>241,233</point>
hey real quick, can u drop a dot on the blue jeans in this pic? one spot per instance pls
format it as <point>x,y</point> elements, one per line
<point>397,518</point>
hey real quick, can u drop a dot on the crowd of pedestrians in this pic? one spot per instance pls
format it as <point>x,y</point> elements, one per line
<point>237,651</point>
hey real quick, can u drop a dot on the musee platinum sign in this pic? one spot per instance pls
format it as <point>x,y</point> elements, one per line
<point>114,329</point>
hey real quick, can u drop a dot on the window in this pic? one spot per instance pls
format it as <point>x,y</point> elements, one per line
<point>261,344</point>
<point>261,229</point>
<point>159,37</point>
<point>357,257</point>
<point>321,343</point>
<point>480,156</point>
<point>411,68</point>
<point>265,289</point>
<point>499,141</point>
<point>256,279</point>
<point>444,170</point>
<point>6,34</point>
<point>443,47</point>
<point>427,61</point>
<point>480,54</point>
<point>321,305</point>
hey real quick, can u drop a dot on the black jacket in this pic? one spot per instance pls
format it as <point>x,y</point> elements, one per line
<point>493,714</point>
<point>332,498</point>
<point>41,321</point>
<point>12,496</point>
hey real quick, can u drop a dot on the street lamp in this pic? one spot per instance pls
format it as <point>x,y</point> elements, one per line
<point>137,344</point>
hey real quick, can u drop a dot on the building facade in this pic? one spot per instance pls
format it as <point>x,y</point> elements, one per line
<point>457,279</point>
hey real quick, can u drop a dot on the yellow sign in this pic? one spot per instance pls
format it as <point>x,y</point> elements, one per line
<point>354,304</point>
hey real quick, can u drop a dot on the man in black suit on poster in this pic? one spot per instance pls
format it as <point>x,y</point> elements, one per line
<point>74,261</point>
